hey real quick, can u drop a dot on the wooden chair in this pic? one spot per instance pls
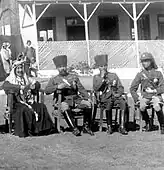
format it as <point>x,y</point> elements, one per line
<point>148,107</point>
<point>39,97</point>
<point>117,113</point>
<point>57,114</point>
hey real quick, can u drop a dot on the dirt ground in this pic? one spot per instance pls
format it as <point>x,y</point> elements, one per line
<point>66,152</point>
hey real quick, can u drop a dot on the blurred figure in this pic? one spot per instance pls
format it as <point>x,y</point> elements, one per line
<point>6,57</point>
<point>30,57</point>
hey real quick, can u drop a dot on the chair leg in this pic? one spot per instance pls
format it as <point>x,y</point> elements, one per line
<point>6,126</point>
<point>94,112</point>
<point>10,123</point>
<point>76,122</point>
<point>140,120</point>
<point>120,120</point>
<point>116,116</point>
<point>57,123</point>
<point>152,118</point>
<point>101,119</point>
<point>135,115</point>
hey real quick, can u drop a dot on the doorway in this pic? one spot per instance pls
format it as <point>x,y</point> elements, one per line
<point>109,28</point>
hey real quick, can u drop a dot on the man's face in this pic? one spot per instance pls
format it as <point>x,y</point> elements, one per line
<point>62,71</point>
<point>4,46</point>
<point>19,71</point>
<point>103,70</point>
<point>146,63</point>
<point>28,43</point>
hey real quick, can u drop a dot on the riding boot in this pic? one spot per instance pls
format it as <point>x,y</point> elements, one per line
<point>87,121</point>
<point>94,116</point>
<point>122,129</point>
<point>71,123</point>
<point>161,120</point>
<point>109,121</point>
<point>145,117</point>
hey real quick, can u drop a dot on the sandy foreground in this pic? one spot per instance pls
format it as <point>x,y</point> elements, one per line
<point>67,152</point>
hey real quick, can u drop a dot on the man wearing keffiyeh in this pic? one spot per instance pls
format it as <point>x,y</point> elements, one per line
<point>29,117</point>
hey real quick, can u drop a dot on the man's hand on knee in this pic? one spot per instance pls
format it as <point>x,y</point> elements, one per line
<point>64,106</point>
<point>143,103</point>
<point>155,101</point>
<point>88,103</point>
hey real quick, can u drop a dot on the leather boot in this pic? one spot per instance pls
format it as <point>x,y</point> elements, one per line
<point>160,116</point>
<point>109,130</point>
<point>76,132</point>
<point>109,121</point>
<point>148,126</point>
<point>146,118</point>
<point>122,129</point>
<point>162,129</point>
<point>71,123</point>
<point>87,121</point>
<point>86,129</point>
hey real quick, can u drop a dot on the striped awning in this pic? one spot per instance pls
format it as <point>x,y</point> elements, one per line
<point>87,1</point>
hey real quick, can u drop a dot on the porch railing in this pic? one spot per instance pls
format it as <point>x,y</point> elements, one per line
<point>121,53</point>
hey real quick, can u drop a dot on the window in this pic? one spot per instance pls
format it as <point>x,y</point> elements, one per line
<point>75,29</point>
<point>143,28</point>
<point>6,30</point>
<point>109,28</point>
<point>160,27</point>
<point>46,31</point>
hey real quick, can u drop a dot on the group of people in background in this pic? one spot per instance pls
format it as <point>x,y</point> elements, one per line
<point>7,59</point>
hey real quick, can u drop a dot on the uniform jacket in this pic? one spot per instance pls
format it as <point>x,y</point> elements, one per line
<point>153,79</point>
<point>108,86</point>
<point>74,89</point>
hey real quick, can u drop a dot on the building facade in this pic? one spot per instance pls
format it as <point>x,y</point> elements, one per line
<point>60,30</point>
<point>110,22</point>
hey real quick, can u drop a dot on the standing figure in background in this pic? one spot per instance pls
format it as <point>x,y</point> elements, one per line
<point>6,57</point>
<point>30,57</point>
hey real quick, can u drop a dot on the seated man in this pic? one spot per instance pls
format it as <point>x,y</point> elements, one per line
<point>30,118</point>
<point>110,91</point>
<point>152,86</point>
<point>73,94</point>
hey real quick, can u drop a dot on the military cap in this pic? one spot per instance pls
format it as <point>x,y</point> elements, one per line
<point>60,61</point>
<point>101,60</point>
<point>149,56</point>
<point>146,56</point>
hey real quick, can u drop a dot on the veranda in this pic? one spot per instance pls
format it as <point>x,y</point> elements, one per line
<point>121,53</point>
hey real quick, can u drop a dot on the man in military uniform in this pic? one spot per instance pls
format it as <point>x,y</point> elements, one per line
<point>152,87</point>
<point>73,94</point>
<point>109,91</point>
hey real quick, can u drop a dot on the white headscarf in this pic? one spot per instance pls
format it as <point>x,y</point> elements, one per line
<point>14,79</point>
